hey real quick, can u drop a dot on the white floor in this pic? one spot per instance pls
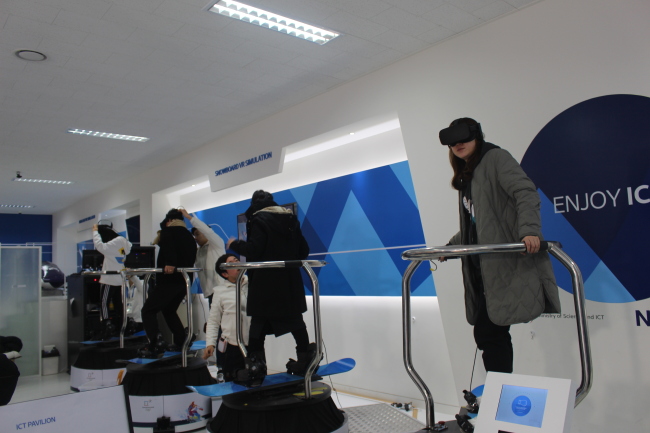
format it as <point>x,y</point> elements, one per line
<point>37,387</point>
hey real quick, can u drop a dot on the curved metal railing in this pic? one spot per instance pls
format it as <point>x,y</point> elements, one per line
<point>125,273</point>
<point>307,265</point>
<point>417,256</point>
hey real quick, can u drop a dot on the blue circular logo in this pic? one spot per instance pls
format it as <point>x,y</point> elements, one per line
<point>591,165</point>
<point>521,405</point>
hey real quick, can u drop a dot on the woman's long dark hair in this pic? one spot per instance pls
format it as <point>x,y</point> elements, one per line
<point>464,171</point>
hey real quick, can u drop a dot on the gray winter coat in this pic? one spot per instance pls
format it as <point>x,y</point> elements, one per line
<point>518,288</point>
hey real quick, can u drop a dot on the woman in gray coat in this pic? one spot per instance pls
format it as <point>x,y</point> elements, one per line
<point>498,203</point>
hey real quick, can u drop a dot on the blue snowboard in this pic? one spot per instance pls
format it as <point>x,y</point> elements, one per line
<point>197,345</point>
<point>220,389</point>
<point>137,334</point>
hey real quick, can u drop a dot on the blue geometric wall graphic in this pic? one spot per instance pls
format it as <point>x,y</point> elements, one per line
<point>426,288</point>
<point>404,175</point>
<point>373,209</point>
<point>303,196</point>
<point>354,231</point>
<point>557,228</point>
<point>603,286</point>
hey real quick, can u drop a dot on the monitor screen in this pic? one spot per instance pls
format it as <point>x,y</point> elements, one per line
<point>92,260</point>
<point>141,257</point>
<point>522,405</point>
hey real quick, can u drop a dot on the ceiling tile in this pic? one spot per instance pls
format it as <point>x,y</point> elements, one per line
<point>400,20</point>
<point>30,9</point>
<point>494,10</point>
<point>453,18</point>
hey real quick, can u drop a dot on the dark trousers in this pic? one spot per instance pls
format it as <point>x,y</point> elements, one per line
<point>164,299</point>
<point>8,379</point>
<point>263,326</point>
<point>233,360</point>
<point>494,341</point>
<point>111,295</point>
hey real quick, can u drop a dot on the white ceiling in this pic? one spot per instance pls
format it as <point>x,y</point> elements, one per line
<point>171,71</point>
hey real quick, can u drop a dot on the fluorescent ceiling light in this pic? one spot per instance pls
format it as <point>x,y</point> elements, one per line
<point>292,155</point>
<point>269,20</point>
<point>54,182</point>
<point>23,206</point>
<point>108,135</point>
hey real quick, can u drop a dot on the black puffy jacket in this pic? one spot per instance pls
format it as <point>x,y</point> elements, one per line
<point>274,234</point>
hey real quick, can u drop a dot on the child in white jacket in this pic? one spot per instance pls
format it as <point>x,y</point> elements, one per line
<point>223,313</point>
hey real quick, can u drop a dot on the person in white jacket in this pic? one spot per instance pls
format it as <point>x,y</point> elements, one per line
<point>223,314</point>
<point>114,248</point>
<point>211,247</point>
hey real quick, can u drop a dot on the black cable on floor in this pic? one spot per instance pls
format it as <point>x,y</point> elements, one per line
<point>330,377</point>
<point>473,366</point>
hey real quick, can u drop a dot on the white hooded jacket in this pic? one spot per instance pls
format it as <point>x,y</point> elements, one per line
<point>114,252</point>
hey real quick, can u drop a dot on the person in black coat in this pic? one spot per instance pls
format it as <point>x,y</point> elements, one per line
<point>276,297</point>
<point>177,250</point>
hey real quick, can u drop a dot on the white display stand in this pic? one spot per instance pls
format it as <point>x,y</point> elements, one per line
<point>525,404</point>
<point>82,379</point>
<point>187,412</point>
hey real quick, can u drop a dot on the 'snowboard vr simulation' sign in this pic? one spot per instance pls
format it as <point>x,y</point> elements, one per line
<point>596,197</point>
<point>246,169</point>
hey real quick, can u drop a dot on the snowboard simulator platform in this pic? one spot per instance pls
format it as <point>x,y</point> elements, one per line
<point>97,365</point>
<point>283,402</point>
<point>159,399</point>
<point>516,413</point>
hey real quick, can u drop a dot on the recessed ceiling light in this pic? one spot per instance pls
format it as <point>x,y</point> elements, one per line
<point>269,20</point>
<point>53,182</point>
<point>31,55</point>
<point>22,206</point>
<point>107,135</point>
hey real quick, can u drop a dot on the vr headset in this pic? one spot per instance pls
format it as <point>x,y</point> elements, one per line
<point>460,133</point>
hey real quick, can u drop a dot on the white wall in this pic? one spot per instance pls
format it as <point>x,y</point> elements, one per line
<point>514,75</point>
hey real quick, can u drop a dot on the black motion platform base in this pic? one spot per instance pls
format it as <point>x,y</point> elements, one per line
<point>278,410</point>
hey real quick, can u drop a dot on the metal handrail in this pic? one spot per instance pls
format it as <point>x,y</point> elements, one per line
<point>417,256</point>
<point>307,265</point>
<point>148,272</point>
<point>122,295</point>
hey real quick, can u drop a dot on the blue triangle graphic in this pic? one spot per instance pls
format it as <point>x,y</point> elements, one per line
<point>403,173</point>
<point>369,273</point>
<point>427,288</point>
<point>331,280</point>
<point>557,228</point>
<point>354,230</point>
<point>303,196</point>
<point>603,286</point>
